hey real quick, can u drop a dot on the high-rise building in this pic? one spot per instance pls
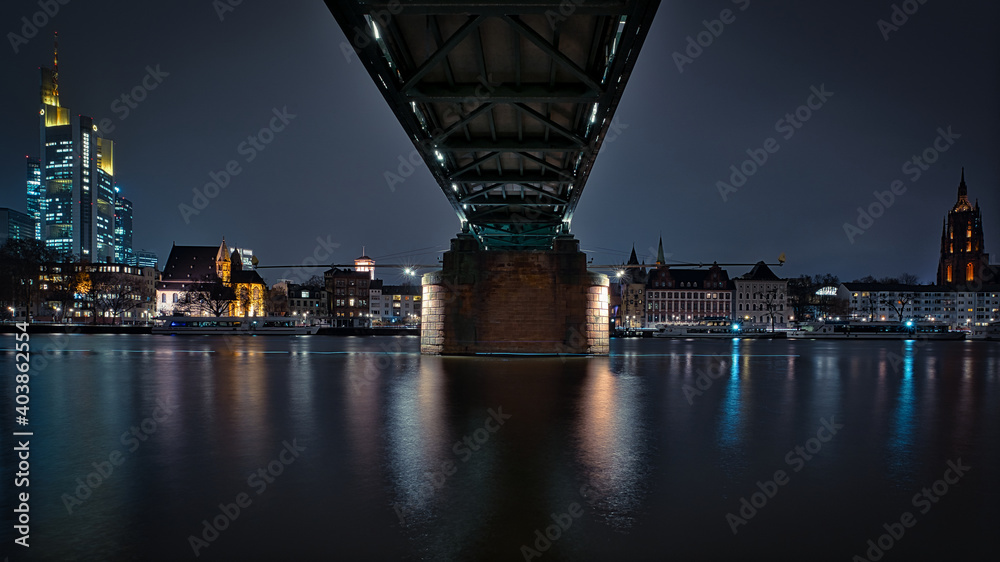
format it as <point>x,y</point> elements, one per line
<point>145,258</point>
<point>36,202</point>
<point>123,230</point>
<point>247,259</point>
<point>76,178</point>
<point>963,259</point>
<point>15,225</point>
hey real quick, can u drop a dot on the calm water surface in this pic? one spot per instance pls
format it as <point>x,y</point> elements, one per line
<point>361,449</point>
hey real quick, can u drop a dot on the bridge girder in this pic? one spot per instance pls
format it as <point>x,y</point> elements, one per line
<point>508,103</point>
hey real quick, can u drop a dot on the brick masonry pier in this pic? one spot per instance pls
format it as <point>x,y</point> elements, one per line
<point>514,301</point>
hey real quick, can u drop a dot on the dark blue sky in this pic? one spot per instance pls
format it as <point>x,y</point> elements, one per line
<point>322,176</point>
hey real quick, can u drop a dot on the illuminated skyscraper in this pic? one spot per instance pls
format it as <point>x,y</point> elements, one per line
<point>123,230</point>
<point>145,258</point>
<point>36,202</point>
<point>76,176</point>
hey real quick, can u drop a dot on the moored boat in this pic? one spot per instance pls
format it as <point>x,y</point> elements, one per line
<point>990,332</point>
<point>909,330</point>
<point>232,325</point>
<point>722,328</point>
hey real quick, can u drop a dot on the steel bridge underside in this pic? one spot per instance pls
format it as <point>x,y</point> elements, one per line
<point>508,103</point>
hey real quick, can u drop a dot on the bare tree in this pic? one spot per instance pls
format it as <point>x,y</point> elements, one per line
<point>277,302</point>
<point>64,283</point>
<point>909,279</point>
<point>898,304</point>
<point>211,298</point>
<point>119,292</point>
<point>870,302</point>
<point>315,283</point>
<point>770,304</point>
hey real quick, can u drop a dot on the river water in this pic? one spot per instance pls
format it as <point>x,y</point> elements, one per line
<point>346,448</point>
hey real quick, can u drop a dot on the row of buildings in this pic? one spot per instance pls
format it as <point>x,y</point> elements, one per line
<point>642,297</point>
<point>219,280</point>
<point>201,280</point>
<point>965,293</point>
<point>74,203</point>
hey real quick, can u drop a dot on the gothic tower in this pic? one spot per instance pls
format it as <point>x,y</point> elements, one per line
<point>963,259</point>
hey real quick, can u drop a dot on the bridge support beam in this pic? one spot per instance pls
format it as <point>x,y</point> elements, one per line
<point>514,301</point>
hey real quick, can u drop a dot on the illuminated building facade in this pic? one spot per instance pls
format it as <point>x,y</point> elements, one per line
<point>145,258</point>
<point>36,201</point>
<point>75,198</point>
<point>365,264</point>
<point>893,302</point>
<point>642,298</point>
<point>394,304</point>
<point>248,286</point>
<point>347,297</point>
<point>123,230</point>
<point>761,297</point>
<point>963,262</point>
<point>306,302</point>
<point>688,295</point>
<point>631,290</point>
<point>197,268</point>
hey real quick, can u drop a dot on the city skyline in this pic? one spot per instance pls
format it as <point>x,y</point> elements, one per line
<point>318,123</point>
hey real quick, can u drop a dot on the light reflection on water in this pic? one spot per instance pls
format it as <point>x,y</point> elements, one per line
<point>902,430</point>
<point>389,471</point>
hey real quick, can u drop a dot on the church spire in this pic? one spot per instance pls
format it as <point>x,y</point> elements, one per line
<point>660,259</point>
<point>633,260</point>
<point>963,196</point>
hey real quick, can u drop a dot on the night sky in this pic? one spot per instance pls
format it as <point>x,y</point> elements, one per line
<point>322,176</point>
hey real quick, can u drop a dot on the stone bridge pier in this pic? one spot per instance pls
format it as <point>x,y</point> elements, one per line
<point>514,302</point>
